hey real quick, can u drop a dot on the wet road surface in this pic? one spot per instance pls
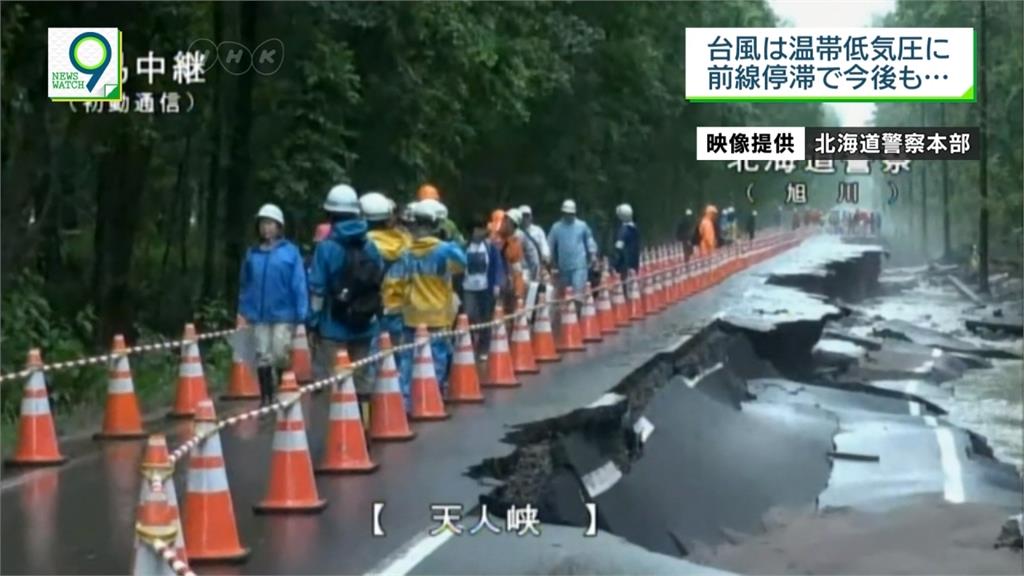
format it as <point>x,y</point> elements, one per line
<point>78,518</point>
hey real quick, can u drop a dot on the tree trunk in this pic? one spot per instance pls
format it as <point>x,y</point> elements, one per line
<point>983,171</point>
<point>946,250</point>
<point>924,195</point>
<point>237,210</point>
<point>213,188</point>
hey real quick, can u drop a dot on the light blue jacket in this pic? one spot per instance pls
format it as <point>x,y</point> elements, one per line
<point>571,244</point>
<point>328,260</point>
<point>272,286</point>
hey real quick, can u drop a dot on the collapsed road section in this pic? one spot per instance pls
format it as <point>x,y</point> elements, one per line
<point>753,430</point>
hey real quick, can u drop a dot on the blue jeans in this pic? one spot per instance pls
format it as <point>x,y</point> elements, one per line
<point>393,325</point>
<point>479,307</point>
<point>440,350</point>
<point>577,279</point>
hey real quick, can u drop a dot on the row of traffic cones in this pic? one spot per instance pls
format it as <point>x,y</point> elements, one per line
<point>122,419</point>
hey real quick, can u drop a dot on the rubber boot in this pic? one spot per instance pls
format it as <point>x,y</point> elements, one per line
<point>265,374</point>
<point>364,410</point>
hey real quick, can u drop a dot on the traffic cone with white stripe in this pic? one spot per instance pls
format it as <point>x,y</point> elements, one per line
<point>605,313</point>
<point>588,323</point>
<point>302,363</point>
<point>156,463</point>
<point>154,523</point>
<point>191,381</point>
<point>522,346</point>
<point>388,421</point>
<point>345,450</point>
<point>543,337</point>
<point>427,403</point>
<point>242,385</point>
<point>292,486</point>
<point>636,303</point>
<point>619,305</point>
<point>211,534</point>
<point>500,371</point>
<point>647,295</point>
<point>37,436</point>
<point>121,419</point>
<point>464,383</point>
<point>569,337</point>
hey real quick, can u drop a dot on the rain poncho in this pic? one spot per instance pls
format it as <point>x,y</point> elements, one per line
<point>572,245</point>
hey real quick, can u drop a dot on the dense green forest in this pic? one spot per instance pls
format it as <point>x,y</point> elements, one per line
<point>135,222</point>
<point>999,28</point>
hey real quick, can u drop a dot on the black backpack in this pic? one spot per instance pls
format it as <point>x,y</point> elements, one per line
<point>355,288</point>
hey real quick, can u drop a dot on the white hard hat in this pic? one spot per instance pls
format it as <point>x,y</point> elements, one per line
<point>515,215</point>
<point>342,199</point>
<point>568,207</point>
<point>427,210</point>
<point>375,206</point>
<point>271,212</point>
<point>624,212</point>
<point>689,212</point>
<point>754,212</point>
<point>526,210</point>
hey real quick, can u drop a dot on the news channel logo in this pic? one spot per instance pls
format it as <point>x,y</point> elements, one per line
<point>237,59</point>
<point>83,64</point>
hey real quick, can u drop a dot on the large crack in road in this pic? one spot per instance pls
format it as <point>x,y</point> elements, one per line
<point>697,451</point>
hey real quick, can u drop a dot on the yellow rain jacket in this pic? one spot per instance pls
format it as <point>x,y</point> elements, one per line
<point>426,270</point>
<point>391,243</point>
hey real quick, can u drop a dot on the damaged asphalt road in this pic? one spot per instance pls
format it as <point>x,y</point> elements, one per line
<point>700,447</point>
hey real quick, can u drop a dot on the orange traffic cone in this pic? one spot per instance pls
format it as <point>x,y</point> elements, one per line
<point>388,421</point>
<point>211,534</point>
<point>500,372</point>
<point>302,364</point>
<point>156,464</point>
<point>464,381</point>
<point>569,337</point>
<point>619,305</point>
<point>242,384</point>
<point>345,450</point>
<point>292,487</point>
<point>605,313</point>
<point>660,290</point>
<point>589,324</point>
<point>636,303</point>
<point>191,381</point>
<point>37,437</point>
<point>154,522</point>
<point>121,418</point>
<point>543,337</point>
<point>427,403</point>
<point>522,347</point>
<point>647,297</point>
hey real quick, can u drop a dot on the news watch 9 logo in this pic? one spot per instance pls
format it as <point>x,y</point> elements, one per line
<point>83,64</point>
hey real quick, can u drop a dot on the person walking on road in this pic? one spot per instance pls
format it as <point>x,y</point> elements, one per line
<point>447,231</point>
<point>709,230</point>
<point>273,297</point>
<point>427,268</point>
<point>391,242</point>
<point>537,235</point>
<point>480,284</point>
<point>345,280</point>
<point>685,231</point>
<point>573,250</point>
<point>752,225</point>
<point>513,253</point>
<point>627,242</point>
<point>531,252</point>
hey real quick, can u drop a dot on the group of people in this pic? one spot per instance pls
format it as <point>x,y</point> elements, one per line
<point>376,269</point>
<point>713,230</point>
<point>855,222</point>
